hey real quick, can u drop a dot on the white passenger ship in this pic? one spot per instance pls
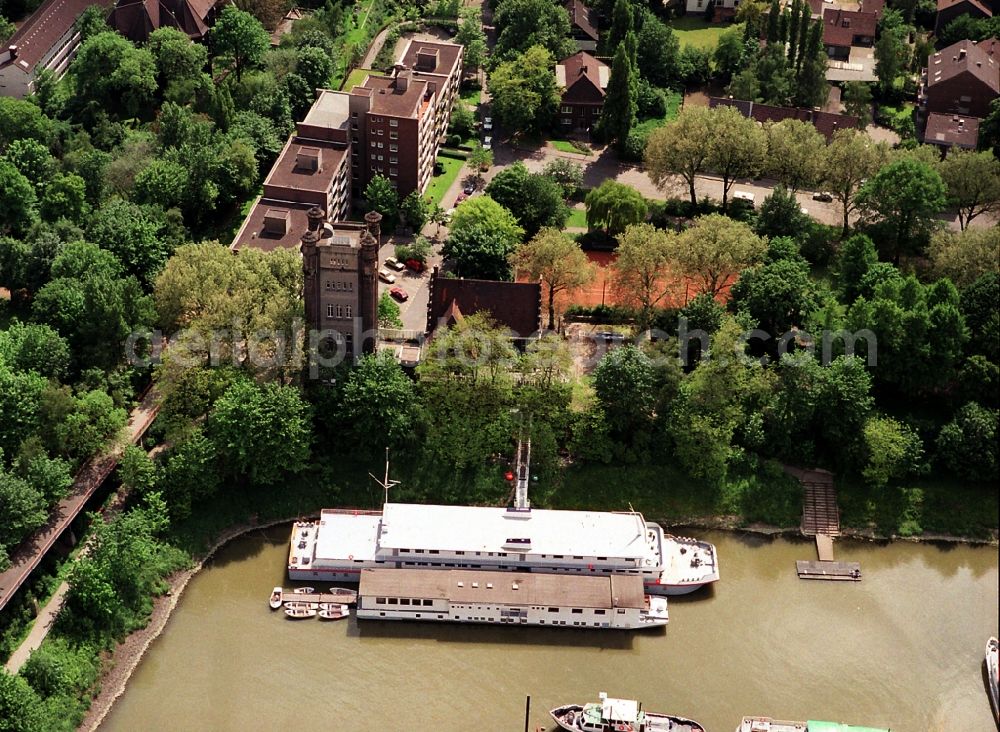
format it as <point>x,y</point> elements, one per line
<point>344,542</point>
<point>469,596</point>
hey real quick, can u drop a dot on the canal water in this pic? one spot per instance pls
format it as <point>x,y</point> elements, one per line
<point>901,649</point>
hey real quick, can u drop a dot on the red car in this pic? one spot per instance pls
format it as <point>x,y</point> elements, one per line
<point>399,293</point>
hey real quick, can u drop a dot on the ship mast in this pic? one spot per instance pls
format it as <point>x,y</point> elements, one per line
<point>385,483</point>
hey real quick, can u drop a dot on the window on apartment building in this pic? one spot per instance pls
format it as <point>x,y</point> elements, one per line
<point>381,158</point>
<point>394,123</point>
<point>393,135</point>
<point>567,121</point>
<point>373,143</point>
<point>354,126</point>
<point>347,311</point>
<point>379,133</point>
<point>329,311</point>
<point>393,159</point>
<point>393,148</point>
<point>354,114</point>
<point>567,110</point>
<point>380,146</point>
<point>393,171</point>
<point>349,286</point>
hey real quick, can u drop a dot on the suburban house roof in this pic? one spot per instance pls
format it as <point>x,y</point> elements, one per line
<point>825,122</point>
<point>872,6</point>
<point>965,57</point>
<point>840,27</point>
<point>951,129</point>
<point>514,305</point>
<point>583,77</point>
<point>579,18</point>
<point>969,5</point>
<point>39,33</point>
<point>136,19</point>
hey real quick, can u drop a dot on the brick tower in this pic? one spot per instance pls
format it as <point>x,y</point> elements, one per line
<point>369,281</point>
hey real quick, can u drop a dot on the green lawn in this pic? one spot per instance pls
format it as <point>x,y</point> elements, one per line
<point>568,147</point>
<point>357,76</point>
<point>577,219</point>
<point>694,30</point>
<point>441,183</point>
<point>471,97</point>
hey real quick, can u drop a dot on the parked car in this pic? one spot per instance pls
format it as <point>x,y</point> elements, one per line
<point>488,123</point>
<point>386,276</point>
<point>487,143</point>
<point>461,197</point>
<point>744,196</point>
<point>823,196</point>
<point>399,293</point>
<point>416,265</point>
<point>469,188</point>
<point>393,263</point>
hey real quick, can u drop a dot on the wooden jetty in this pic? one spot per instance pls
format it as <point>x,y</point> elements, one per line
<point>821,520</point>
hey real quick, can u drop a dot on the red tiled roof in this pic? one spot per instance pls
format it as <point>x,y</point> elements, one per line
<point>514,305</point>
<point>948,4</point>
<point>45,27</point>
<point>579,17</point>
<point>951,129</point>
<point>136,19</point>
<point>583,78</point>
<point>841,26</point>
<point>965,57</point>
<point>825,122</point>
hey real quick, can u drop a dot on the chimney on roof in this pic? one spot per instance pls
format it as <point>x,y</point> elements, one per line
<point>276,221</point>
<point>961,53</point>
<point>12,48</point>
<point>403,80</point>
<point>309,159</point>
<point>961,125</point>
<point>427,59</point>
<point>583,70</point>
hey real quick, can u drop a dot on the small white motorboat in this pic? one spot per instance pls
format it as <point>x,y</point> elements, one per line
<point>276,595</point>
<point>304,590</point>
<point>300,612</point>
<point>343,595</point>
<point>333,611</point>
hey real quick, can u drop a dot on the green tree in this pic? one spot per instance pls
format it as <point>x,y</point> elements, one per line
<point>857,99</point>
<point>773,17</point>
<point>523,89</point>
<point>480,160</point>
<point>481,237</point>
<point>177,58</point>
<point>262,431</point>
<point>17,199</point>
<point>190,473</point>
<point>855,259</point>
<point>535,199</point>
<point>521,24</point>
<point>239,36</point>
<point>794,153</point>
<point>715,249</point>
<point>413,211</point>
<point>737,148</point>
<point>679,149</point>
<point>129,232</point>
<point>613,206</point>
<point>893,451</point>
<point>658,52</point>
<point>111,72</point>
<point>618,115</point>
<point>623,381</point>
<point>136,470</point>
<point>777,295</point>
<point>90,22</point>
<point>730,54</point>
<point>796,18</point>
<point>388,312</point>
<point>379,399</point>
<point>966,256</point>
<point>973,182</point>
<point>781,215</point>
<point>851,158</point>
<point>472,37</point>
<point>33,160</point>
<point>21,709</point>
<point>65,197</point>
<point>905,196</point>
<point>776,77</point>
<point>891,54</point>
<point>642,269</point>
<point>20,119</point>
<point>52,477</point>
<point>20,396</point>
<point>745,85</point>
<point>462,122</point>
<point>967,445</point>
<point>34,347</point>
<point>314,65</point>
<point>381,196</point>
<point>557,261</point>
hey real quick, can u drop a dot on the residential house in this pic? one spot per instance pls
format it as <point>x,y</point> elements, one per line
<point>582,25</point>
<point>826,123</point>
<point>700,6</point>
<point>136,19</point>
<point>583,81</point>
<point>843,29</point>
<point>516,306</point>
<point>46,40</point>
<point>948,10</point>
<point>951,130</point>
<point>962,79</point>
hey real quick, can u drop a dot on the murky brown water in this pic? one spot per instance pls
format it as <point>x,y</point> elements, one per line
<point>902,649</point>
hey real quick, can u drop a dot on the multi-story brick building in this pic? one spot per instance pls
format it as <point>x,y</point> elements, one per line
<point>46,40</point>
<point>961,79</point>
<point>441,65</point>
<point>583,81</point>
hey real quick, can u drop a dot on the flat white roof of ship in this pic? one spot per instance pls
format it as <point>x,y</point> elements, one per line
<point>489,529</point>
<point>344,534</point>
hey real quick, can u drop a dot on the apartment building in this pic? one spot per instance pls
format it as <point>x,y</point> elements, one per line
<point>46,40</point>
<point>441,64</point>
